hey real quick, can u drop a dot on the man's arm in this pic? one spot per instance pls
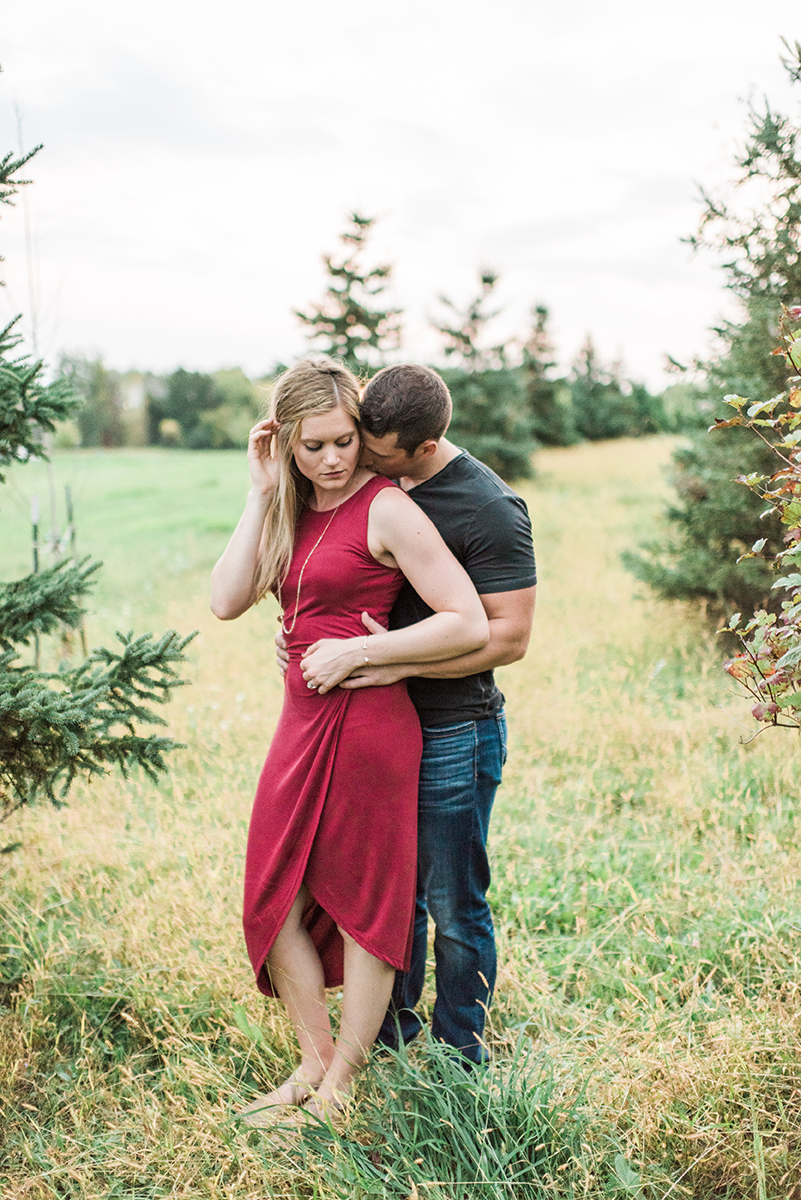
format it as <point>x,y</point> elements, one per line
<point>510,615</point>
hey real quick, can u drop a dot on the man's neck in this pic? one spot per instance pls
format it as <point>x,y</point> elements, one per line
<point>432,465</point>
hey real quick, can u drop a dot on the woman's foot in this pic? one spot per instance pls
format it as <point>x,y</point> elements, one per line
<point>294,1091</point>
<point>329,1106</point>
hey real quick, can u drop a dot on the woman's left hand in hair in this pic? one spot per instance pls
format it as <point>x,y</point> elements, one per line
<point>326,663</point>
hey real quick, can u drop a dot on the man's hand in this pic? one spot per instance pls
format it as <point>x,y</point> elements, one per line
<point>368,676</point>
<point>370,625</point>
<point>281,653</point>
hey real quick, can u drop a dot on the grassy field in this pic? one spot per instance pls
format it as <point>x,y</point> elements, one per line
<point>646,1030</point>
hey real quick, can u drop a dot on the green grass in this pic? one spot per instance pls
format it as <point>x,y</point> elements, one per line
<point>646,1031</point>
<point>157,518</point>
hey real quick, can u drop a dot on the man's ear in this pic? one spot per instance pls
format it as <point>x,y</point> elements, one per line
<point>426,448</point>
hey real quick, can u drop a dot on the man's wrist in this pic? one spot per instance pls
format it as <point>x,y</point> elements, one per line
<point>398,671</point>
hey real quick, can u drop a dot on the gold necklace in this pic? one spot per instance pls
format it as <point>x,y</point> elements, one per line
<point>300,578</point>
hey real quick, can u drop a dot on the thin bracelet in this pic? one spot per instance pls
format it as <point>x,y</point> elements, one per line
<point>364,649</point>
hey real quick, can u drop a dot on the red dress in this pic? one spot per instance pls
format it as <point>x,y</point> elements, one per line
<point>336,804</point>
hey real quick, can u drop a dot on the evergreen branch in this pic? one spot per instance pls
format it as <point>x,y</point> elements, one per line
<point>793,64</point>
<point>38,604</point>
<point>27,407</point>
<point>462,339</point>
<point>9,165</point>
<point>55,727</point>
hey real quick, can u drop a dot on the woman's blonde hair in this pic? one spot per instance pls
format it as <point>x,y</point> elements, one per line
<point>313,386</point>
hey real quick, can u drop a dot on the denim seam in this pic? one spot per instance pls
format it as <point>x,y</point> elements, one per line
<point>474,830</point>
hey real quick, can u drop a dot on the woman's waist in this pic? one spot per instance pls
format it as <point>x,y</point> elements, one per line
<point>298,640</point>
<point>388,694</point>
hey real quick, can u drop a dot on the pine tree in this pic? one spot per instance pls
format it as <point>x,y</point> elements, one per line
<point>715,519</point>
<point>490,419</point>
<point>607,406</point>
<point>549,400</point>
<point>464,335</point>
<point>55,726</point>
<point>346,323</point>
<point>490,415</point>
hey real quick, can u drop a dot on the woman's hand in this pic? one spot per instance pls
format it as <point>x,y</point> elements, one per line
<point>329,661</point>
<point>233,580</point>
<point>263,466</point>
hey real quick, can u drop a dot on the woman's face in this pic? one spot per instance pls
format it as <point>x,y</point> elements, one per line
<point>328,450</point>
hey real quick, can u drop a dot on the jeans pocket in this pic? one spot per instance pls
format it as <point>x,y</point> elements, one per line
<point>448,766</point>
<point>436,732</point>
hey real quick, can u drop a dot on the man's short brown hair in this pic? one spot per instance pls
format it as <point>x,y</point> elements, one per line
<point>410,401</point>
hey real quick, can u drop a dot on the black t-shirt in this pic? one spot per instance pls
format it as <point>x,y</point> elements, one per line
<point>486,527</point>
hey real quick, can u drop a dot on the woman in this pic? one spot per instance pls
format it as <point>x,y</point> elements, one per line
<point>330,872</point>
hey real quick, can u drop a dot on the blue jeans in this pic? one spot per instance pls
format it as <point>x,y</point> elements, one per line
<point>459,775</point>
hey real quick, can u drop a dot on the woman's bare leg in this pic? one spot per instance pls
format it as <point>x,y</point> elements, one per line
<point>297,975</point>
<point>365,997</point>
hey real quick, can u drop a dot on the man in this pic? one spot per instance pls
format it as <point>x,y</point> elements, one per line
<point>405,413</point>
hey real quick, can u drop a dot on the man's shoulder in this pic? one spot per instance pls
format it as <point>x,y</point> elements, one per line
<point>483,522</point>
<point>475,469</point>
<point>465,483</point>
<point>485,525</point>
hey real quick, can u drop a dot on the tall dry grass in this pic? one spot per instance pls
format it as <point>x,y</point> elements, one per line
<point>645,891</point>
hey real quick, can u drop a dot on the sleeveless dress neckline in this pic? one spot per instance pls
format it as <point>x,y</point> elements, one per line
<point>326,512</point>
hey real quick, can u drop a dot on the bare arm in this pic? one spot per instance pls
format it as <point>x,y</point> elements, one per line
<point>510,617</point>
<point>400,534</point>
<point>233,580</point>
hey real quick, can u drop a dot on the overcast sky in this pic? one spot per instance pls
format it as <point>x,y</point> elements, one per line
<point>200,158</point>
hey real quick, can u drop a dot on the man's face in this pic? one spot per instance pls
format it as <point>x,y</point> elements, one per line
<point>384,456</point>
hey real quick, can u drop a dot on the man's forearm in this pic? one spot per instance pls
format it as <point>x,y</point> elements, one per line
<point>451,668</point>
<point>510,615</point>
<point>499,651</point>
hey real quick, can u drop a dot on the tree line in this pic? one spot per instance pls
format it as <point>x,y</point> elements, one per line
<point>508,397</point>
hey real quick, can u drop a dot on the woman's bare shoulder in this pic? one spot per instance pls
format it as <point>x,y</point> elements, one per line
<point>395,519</point>
<point>391,494</point>
<point>392,504</point>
